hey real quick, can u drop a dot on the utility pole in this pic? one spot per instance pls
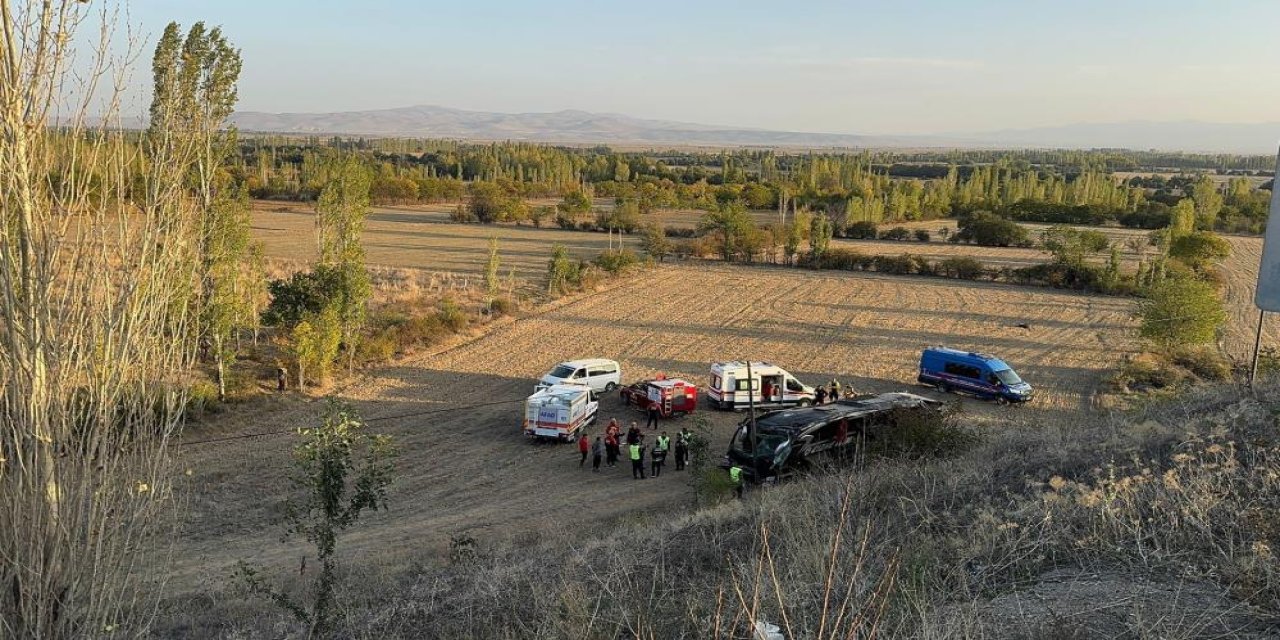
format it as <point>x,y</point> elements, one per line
<point>1257,346</point>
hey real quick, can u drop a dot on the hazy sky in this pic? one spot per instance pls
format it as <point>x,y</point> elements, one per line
<point>883,66</point>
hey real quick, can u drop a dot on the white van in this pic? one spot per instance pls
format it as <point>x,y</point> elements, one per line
<point>601,375</point>
<point>768,386</point>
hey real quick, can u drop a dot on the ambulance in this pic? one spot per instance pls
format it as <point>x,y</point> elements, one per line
<point>559,412</point>
<point>768,386</point>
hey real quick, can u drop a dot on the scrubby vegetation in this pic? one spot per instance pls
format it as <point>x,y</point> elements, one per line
<point>1155,523</point>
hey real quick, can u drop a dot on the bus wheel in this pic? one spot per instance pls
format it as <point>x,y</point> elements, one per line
<point>942,387</point>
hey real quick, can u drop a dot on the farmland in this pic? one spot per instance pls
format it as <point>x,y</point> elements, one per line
<point>465,469</point>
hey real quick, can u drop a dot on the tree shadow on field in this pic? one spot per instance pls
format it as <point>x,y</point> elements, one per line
<point>813,335</point>
<point>1006,320</point>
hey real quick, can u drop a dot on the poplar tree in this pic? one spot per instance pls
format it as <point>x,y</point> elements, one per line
<point>194,92</point>
<point>340,213</point>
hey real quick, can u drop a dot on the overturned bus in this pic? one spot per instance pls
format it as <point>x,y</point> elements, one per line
<point>792,440</point>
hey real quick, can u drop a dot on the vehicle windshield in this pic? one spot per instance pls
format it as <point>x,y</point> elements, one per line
<point>1008,377</point>
<point>767,444</point>
<point>562,371</point>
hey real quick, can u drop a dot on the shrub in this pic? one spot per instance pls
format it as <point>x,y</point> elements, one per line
<point>1181,311</point>
<point>904,264</point>
<point>566,221</point>
<point>1061,276</point>
<point>502,306</point>
<point>987,230</point>
<point>304,292</point>
<point>922,434</point>
<point>451,315</point>
<point>1147,372</point>
<point>616,261</point>
<point>962,268</point>
<point>843,259</point>
<point>1199,250</point>
<point>897,234</point>
<point>922,235</point>
<point>861,231</point>
<point>201,396</point>
<point>461,214</point>
<point>1205,362</point>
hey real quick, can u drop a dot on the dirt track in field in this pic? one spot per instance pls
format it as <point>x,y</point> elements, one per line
<point>467,470</point>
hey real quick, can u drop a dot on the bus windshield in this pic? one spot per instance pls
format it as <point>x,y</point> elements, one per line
<point>767,444</point>
<point>1008,377</point>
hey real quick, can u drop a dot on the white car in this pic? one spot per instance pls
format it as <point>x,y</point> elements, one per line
<point>603,376</point>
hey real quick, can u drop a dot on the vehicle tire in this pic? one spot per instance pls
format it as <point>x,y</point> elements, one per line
<point>942,387</point>
<point>608,388</point>
<point>1002,401</point>
<point>803,403</point>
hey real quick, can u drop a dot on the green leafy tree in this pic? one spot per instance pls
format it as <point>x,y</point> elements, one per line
<point>1208,202</point>
<point>1181,311</point>
<point>340,214</point>
<point>1182,219</point>
<point>1200,249</point>
<point>339,472</point>
<point>315,344</point>
<point>563,272</point>
<point>791,246</point>
<point>729,225</point>
<point>655,242</point>
<point>820,230</point>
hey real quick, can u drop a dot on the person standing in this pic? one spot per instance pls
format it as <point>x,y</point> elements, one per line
<point>282,379</point>
<point>611,447</point>
<point>682,451</point>
<point>636,452</point>
<point>820,396</point>
<point>735,478</point>
<point>584,446</point>
<point>655,411</point>
<point>659,457</point>
<point>597,452</point>
<point>633,434</point>
<point>834,392</point>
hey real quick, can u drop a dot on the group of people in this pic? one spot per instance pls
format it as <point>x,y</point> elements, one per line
<point>609,447</point>
<point>831,392</point>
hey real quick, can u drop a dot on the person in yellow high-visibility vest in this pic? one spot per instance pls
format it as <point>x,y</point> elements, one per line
<point>735,477</point>
<point>636,451</point>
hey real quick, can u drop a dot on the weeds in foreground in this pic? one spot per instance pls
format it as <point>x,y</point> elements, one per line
<point>335,488</point>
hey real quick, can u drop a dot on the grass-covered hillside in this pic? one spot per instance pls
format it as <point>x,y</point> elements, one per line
<point>1160,523</point>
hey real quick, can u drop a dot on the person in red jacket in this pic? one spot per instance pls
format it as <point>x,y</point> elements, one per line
<point>584,447</point>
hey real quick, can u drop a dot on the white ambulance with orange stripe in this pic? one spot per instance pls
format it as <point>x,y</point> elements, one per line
<point>559,412</point>
<point>767,385</point>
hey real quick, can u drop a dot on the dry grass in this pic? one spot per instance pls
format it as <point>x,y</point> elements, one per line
<point>1159,524</point>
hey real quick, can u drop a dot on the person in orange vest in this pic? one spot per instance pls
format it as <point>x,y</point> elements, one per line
<point>584,446</point>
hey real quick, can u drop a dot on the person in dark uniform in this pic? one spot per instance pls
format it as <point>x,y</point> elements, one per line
<point>655,412</point>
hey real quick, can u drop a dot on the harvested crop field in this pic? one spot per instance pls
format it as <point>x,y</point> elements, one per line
<point>1241,272</point>
<point>466,470</point>
<point>425,238</point>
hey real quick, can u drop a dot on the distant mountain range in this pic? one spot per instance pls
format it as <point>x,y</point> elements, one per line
<point>582,127</point>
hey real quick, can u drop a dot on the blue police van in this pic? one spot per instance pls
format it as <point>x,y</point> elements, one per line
<point>951,370</point>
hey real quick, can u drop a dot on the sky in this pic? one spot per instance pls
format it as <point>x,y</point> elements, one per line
<point>879,67</point>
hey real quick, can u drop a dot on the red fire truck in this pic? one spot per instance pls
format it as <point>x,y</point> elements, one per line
<point>673,395</point>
